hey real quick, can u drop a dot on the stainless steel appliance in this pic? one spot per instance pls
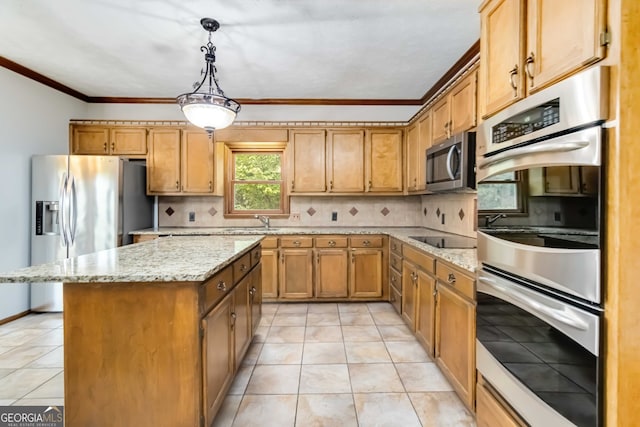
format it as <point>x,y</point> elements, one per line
<point>82,204</point>
<point>447,241</point>
<point>539,309</point>
<point>450,164</point>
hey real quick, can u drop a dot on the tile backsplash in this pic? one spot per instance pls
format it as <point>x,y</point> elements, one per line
<point>450,212</point>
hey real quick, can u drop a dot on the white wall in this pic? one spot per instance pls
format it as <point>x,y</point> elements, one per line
<point>34,119</point>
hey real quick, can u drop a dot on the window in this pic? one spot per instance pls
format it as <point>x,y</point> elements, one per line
<point>502,193</point>
<point>256,183</point>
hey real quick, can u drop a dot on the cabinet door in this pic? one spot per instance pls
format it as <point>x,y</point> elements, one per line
<point>384,160</point>
<point>365,278</point>
<point>562,37</point>
<point>441,125</point>
<point>217,357</point>
<point>413,141</point>
<point>308,162</point>
<point>163,161</point>
<point>128,141</point>
<point>269,263</point>
<point>409,290</point>
<point>562,180</point>
<point>490,412</point>
<point>90,140</point>
<point>502,51</point>
<point>241,319</point>
<point>345,166</point>
<point>589,180</point>
<point>463,104</point>
<point>424,137</point>
<point>426,311</point>
<point>296,273</point>
<point>255,298</point>
<point>197,162</point>
<point>331,273</point>
<point>455,341</point>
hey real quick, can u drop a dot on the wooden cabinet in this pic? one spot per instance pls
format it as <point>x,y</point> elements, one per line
<point>180,162</point>
<point>409,291</point>
<point>296,267</point>
<point>491,410</point>
<point>217,356</point>
<point>332,265</point>
<point>456,111</point>
<point>564,181</point>
<point>520,56</point>
<point>383,160</point>
<point>163,161</point>
<point>270,262</point>
<point>241,319</point>
<point>413,161</point>
<point>345,165</point>
<point>395,274</point>
<point>255,298</point>
<point>308,168</point>
<point>455,330</point>
<point>425,311</point>
<point>365,279</point>
<point>106,140</point>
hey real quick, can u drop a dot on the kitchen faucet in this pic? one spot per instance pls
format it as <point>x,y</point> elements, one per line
<point>488,220</point>
<point>263,219</point>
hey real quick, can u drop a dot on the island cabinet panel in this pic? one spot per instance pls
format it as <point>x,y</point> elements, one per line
<point>132,348</point>
<point>217,356</point>
<point>241,319</point>
<point>255,298</point>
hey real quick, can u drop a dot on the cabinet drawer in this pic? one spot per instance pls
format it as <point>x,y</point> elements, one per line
<point>296,242</point>
<point>269,243</point>
<point>366,242</point>
<point>419,258</point>
<point>490,412</point>
<point>395,298</point>
<point>331,242</point>
<point>395,261</point>
<point>241,267</point>
<point>456,279</point>
<point>216,288</point>
<point>256,254</point>
<point>395,245</point>
<point>395,279</point>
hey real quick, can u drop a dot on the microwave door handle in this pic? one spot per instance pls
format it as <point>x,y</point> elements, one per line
<point>556,147</point>
<point>560,316</point>
<point>449,157</point>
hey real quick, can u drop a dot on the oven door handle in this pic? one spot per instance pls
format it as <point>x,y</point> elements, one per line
<point>553,147</point>
<point>562,317</point>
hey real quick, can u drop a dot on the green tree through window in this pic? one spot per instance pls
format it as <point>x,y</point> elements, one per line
<point>257,184</point>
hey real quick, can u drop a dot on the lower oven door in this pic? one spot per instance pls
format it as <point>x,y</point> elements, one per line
<point>540,353</point>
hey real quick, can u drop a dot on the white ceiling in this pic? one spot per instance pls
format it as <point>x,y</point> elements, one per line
<point>346,49</point>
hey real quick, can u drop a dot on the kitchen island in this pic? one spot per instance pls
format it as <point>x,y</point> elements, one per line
<point>154,332</point>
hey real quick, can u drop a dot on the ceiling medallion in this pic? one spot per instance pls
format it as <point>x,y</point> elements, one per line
<point>209,109</point>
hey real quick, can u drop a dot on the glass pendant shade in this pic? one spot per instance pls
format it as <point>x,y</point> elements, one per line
<point>209,109</point>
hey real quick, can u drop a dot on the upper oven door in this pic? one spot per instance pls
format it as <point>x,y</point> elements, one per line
<point>579,101</point>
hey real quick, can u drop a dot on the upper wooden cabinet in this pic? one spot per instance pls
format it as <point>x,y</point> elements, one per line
<point>345,166</point>
<point>180,162</point>
<point>456,111</point>
<point>106,140</point>
<point>308,158</point>
<point>418,141</point>
<point>526,45</point>
<point>383,160</point>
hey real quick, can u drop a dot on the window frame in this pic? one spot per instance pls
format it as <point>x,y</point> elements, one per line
<point>230,181</point>
<point>522,195</point>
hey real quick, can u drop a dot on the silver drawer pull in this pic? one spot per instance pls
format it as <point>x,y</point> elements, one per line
<point>222,286</point>
<point>243,267</point>
<point>366,243</point>
<point>296,243</point>
<point>332,243</point>
<point>451,279</point>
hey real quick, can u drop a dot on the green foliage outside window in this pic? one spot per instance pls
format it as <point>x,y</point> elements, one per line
<point>257,183</point>
<point>501,193</point>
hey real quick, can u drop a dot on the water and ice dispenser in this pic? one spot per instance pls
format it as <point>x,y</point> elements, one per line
<point>47,218</point>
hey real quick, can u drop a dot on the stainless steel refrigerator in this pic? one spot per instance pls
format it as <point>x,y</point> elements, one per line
<point>82,204</point>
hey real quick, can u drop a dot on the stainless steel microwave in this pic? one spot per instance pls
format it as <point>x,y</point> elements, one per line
<point>451,164</point>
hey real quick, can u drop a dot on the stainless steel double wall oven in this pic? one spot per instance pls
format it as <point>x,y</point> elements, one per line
<point>539,313</point>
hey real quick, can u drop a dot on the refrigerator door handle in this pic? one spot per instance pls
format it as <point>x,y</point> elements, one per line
<point>73,209</point>
<point>63,202</point>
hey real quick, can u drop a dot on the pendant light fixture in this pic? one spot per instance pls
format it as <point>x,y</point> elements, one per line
<point>209,109</point>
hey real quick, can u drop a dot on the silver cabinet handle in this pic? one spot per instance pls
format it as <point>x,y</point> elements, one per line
<point>528,65</point>
<point>243,267</point>
<point>451,279</point>
<point>512,82</point>
<point>296,243</point>
<point>222,286</point>
<point>332,243</point>
<point>366,243</point>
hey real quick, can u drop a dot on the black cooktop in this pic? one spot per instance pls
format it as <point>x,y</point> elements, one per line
<point>447,242</point>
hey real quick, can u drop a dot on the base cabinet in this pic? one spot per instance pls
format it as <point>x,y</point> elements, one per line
<point>366,273</point>
<point>490,409</point>
<point>331,273</point>
<point>425,311</point>
<point>296,273</point>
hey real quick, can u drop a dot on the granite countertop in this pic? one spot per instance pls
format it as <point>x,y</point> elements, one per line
<point>464,258</point>
<point>172,259</point>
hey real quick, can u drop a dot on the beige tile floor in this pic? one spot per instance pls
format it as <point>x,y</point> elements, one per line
<point>352,364</point>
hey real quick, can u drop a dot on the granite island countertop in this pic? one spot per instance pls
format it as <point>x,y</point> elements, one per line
<point>464,258</point>
<point>178,259</point>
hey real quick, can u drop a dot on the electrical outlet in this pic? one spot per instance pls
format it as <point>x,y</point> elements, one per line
<point>192,216</point>
<point>442,218</point>
<point>334,216</point>
<point>557,216</point>
<point>295,217</point>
